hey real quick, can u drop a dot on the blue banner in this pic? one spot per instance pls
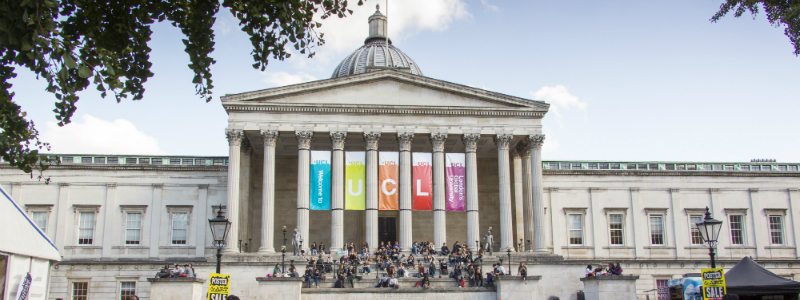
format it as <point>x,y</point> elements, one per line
<point>320,180</point>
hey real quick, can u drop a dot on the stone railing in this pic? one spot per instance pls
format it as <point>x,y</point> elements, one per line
<point>609,287</point>
<point>180,288</point>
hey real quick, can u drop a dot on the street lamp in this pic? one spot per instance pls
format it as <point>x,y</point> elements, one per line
<point>709,228</point>
<point>508,250</point>
<point>219,232</point>
<point>283,252</point>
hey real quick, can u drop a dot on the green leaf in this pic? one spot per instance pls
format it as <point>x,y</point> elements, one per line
<point>69,61</point>
<point>84,71</point>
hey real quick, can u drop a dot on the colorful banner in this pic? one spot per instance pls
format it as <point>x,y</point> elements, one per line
<point>219,286</point>
<point>320,187</point>
<point>388,177</point>
<point>355,195</point>
<point>422,188</point>
<point>455,180</point>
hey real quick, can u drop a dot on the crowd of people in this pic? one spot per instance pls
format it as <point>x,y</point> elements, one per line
<point>612,269</point>
<point>423,261</point>
<point>179,271</point>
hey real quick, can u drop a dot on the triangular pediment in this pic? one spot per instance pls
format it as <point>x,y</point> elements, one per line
<point>384,88</point>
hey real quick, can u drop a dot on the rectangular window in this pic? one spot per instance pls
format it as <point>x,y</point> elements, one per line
<point>127,289</point>
<point>604,166</point>
<point>631,167</point>
<point>113,160</point>
<point>728,167</point>
<point>737,229</point>
<point>40,218</point>
<point>717,167</point>
<point>593,166</point>
<point>179,222</point>
<point>99,160</point>
<point>576,166</point>
<point>133,228</point>
<point>670,166</point>
<point>80,290</point>
<point>615,166</point>
<point>218,161</point>
<point>565,166</point>
<point>575,229</point>
<point>642,167</point>
<point>745,168</point>
<point>130,160</point>
<point>653,166</point>
<point>663,289</point>
<point>188,161</point>
<point>157,161</point>
<point>174,161</point>
<point>554,166</point>
<point>657,230</point>
<point>615,225</point>
<point>706,167</point>
<point>792,168</point>
<point>776,229</point>
<point>144,161</point>
<point>697,238</point>
<point>86,160</point>
<point>86,228</point>
<point>691,167</point>
<point>681,167</point>
<point>67,160</point>
<point>781,168</point>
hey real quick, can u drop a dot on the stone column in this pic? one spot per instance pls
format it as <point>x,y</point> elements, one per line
<point>535,142</point>
<point>473,218</point>
<point>506,237</point>
<point>337,191</point>
<point>303,168</point>
<point>404,143</point>
<point>519,228</point>
<point>371,140</point>
<point>524,150</point>
<point>439,218</point>
<point>235,137</point>
<point>270,138</point>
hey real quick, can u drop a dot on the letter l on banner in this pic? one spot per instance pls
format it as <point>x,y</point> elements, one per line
<point>422,181</point>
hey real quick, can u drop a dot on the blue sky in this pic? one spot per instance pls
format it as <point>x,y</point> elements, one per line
<point>627,80</point>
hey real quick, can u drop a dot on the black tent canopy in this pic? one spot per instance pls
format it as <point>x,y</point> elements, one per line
<point>749,278</point>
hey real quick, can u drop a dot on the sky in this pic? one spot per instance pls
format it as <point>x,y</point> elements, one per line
<point>626,80</point>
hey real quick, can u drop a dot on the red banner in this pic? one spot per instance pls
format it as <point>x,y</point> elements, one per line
<point>422,189</point>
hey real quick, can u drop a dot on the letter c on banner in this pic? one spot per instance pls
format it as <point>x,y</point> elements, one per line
<point>419,188</point>
<point>383,187</point>
<point>350,187</point>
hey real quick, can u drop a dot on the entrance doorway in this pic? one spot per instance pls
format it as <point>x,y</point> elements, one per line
<point>387,231</point>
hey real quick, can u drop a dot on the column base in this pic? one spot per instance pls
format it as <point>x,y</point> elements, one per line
<point>266,250</point>
<point>229,250</point>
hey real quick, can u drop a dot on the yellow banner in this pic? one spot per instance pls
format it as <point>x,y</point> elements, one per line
<point>219,286</point>
<point>355,196</point>
<point>713,283</point>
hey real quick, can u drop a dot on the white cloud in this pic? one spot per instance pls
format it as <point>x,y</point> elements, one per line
<point>98,136</point>
<point>489,6</point>
<point>224,22</point>
<point>276,79</point>
<point>560,98</point>
<point>406,18</point>
<point>551,144</point>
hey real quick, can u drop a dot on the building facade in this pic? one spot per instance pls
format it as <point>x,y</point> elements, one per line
<point>118,219</point>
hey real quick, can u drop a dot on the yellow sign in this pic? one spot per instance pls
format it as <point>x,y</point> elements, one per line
<point>219,286</point>
<point>713,283</point>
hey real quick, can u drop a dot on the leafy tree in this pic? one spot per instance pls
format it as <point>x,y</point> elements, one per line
<point>779,12</point>
<point>74,44</point>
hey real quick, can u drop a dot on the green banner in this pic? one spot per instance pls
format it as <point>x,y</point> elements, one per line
<point>355,194</point>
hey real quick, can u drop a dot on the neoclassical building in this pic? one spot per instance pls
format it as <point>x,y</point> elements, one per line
<point>378,153</point>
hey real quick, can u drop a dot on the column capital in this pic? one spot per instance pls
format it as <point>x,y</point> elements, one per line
<point>523,148</point>
<point>304,139</point>
<point>404,140</point>
<point>471,142</point>
<point>535,141</point>
<point>270,137</point>
<point>371,139</point>
<point>437,141</point>
<point>234,137</point>
<point>514,153</point>
<point>337,139</point>
<point>502,141</point>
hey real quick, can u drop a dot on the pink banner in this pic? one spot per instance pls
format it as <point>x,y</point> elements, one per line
<point>456,197</point>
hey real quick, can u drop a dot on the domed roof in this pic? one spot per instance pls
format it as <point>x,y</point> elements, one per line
<point>377,53</point>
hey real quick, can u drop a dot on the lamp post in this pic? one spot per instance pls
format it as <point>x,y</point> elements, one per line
<point>709,228</point>
<point>219,232</point>
<point>283,252</point>
<point>508,250</point>
<point>519,245</point>
<point>528,247</point>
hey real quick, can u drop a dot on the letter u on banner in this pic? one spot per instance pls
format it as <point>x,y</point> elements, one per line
<point>355,195</point>
<point>388,178</point>
<point>422,189</point>
<point>455,178</point>
<point>320,187</point>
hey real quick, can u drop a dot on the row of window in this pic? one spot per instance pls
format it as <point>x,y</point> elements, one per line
<point>655,166</point>
<point>658,234</point>
<point>133,227</point>
<point>144,160</point>
<point>80,290</point>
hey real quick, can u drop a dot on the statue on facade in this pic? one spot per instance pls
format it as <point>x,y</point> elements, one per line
<point>489,241</point>
<point>297,242</point>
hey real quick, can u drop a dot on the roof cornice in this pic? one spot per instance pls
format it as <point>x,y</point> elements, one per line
<point>422,81</point>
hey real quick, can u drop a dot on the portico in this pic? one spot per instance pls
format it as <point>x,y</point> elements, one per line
<point>392,111</point>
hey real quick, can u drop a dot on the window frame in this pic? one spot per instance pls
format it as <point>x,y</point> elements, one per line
<point>120,290</point>
<point>40,208</point>
<point>742,212</point>
<point>143,226</point>
<point>581,212</point>
<point>617,211</point>
<point>177,209</point>
<point>79,209</point>
<point>662,213</point>
<point>71,288</point>
<point>780,213</point>
<point>693,231</point>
